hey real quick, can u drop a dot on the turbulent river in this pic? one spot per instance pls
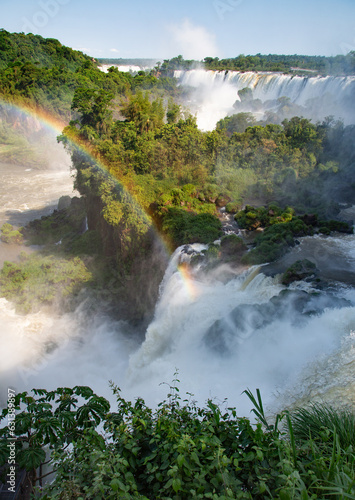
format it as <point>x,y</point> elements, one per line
<point>222,336</point>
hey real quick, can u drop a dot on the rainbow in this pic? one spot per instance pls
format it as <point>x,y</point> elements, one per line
<point>57,125</point>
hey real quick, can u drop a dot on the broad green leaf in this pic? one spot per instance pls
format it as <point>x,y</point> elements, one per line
<point>31,458</point>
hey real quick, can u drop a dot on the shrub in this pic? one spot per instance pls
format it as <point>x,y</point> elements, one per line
<point>325,230</point>
<point>252,218</point>
<point>176,451</point>
<point>232,207</point>
<point>232,244</point>
<point>335,225</point>
<point>212,252</point>
<point>275,240</point>
<point>183,227</point>
<point>10,235</point>
<point>299,270</point>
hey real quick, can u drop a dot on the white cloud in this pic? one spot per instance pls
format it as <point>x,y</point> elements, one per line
<point>114,50</point>
<point>193,42</point>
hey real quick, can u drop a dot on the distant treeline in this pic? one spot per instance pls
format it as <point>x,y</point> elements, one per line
<point>295,64</point>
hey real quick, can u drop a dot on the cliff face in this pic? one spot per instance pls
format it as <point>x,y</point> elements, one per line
<point>139,260</point>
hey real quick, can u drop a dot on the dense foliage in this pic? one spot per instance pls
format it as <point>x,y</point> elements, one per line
<point>42,52</point>
<point>279,228</point>
<point>43,74</point>
<point>296,162</point>
<point>178,450</point>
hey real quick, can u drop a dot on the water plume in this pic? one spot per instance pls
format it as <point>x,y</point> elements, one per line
<point>216,95</point>
<point>193,41</point>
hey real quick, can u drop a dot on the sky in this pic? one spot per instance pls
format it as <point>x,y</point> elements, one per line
<point>195,29</point>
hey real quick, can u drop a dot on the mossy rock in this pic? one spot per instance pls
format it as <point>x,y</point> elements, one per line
<point>335,225</point>
<point>300,270</point>
<point>232,207</point>
<point>276,240</point>
<point>222,200</point>
<point>212,252</point>
<point>232,244</point>
<point>325,230</point>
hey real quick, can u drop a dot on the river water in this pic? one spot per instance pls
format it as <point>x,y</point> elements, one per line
<point>27,193</point>
<point>294,358</point>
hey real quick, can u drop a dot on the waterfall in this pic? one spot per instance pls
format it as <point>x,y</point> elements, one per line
<point>221,336</point>
<point>216,93</point>
<point>252,332</point>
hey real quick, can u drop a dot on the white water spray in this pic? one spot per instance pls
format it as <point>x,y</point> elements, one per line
<point>217,91</point>
<point>291,358</point>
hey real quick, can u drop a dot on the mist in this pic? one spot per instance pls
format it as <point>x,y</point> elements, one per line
<point>192,41</point>
<point>272,97</point>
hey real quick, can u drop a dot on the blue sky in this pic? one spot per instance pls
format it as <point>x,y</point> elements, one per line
<point>193,28</point>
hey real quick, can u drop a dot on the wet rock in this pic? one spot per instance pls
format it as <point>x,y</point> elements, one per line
<point>219,337</point>
<point>239,324</point>
<point>64,202</point>
<point>300,270</point>
<point>251,317</point>
<point>295,305</point>
<point>222,200</point>
<point>310,219</point>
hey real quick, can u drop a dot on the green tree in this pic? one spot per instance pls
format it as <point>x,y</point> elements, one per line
<point>145,114</point>
<point>236,123</point>
<point>93,106</point>
<point>50,420</point>
<point>173,113</point>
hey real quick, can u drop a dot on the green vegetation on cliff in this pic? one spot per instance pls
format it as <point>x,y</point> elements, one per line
<point>40,281</point>
<point>43,74</point>
<point>11,235</point>
<point>296,64</point>
<point>43,52</point>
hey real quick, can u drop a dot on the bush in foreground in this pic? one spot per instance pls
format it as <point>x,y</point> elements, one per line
<point>177,451</point>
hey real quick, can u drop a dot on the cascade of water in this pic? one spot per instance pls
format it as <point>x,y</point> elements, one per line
<point>217,91</point>
<point>223,338</point>
<point>231,336</point>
